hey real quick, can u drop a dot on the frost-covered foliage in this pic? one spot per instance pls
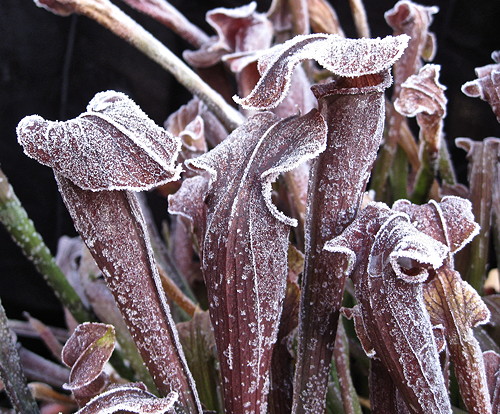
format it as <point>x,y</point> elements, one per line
<point>278,267</point>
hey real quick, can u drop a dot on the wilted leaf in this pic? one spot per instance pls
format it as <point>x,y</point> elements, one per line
<point>487,85</point>
<point>245,242</point>
<point>390,260</point>
<point>86,352</point>
<point>422,95</point>
<point>342,57</point>
<point>456,306</point>
<point>129,399</point>
<point>112,146</point>
<point>241,29</point>
<point>413,20</point>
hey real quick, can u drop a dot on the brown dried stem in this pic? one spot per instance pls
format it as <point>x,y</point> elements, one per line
<point>176,294</point>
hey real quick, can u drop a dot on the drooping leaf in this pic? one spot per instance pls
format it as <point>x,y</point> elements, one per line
<point>389,262</point>
<point>129,399</point>
<point>244,245</point>
<point>138,155</point>
<point>487,84</point>
<point>342,57</point>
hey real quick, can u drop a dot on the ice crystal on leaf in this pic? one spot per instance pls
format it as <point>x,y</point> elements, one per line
<point>244,244</point>
<point>487,84</point>
<point>451,302</point>
<point>112,146</point>
<point>343,57</point>
<point>390,260</point>
<point>98,158</point>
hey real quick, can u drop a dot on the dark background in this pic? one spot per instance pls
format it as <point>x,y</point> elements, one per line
<point>53,66</point>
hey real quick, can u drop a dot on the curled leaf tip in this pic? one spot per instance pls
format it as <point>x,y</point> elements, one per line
<point>111,146</point>
<point>343,57</point>
<point>422,93</point>
<point>487,84</point>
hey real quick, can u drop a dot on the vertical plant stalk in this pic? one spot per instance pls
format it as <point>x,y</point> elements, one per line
<point>354,110</point>
<point>483,164</point>
<point>115,20</point>
<point>350,399</point>
<point>131,274</point>
<point>99,159</point>
<point>22,230</point>
<point>414,20</point>
<point>11,372</point>
<point>360,19</point>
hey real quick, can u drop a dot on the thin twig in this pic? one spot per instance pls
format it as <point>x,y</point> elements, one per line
<point>173,292</point>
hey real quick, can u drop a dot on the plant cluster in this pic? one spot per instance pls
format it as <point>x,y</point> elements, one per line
<point>280,285</point>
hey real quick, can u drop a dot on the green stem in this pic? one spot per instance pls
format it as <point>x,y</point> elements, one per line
<point>22,230</point>
<point>399,175</point>
<point>11,371</point>
<point>446,170</point>
<point>425,178</point>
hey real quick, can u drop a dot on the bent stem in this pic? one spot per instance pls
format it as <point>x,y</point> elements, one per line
<point>111,17</point>
<point>22,230</point>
